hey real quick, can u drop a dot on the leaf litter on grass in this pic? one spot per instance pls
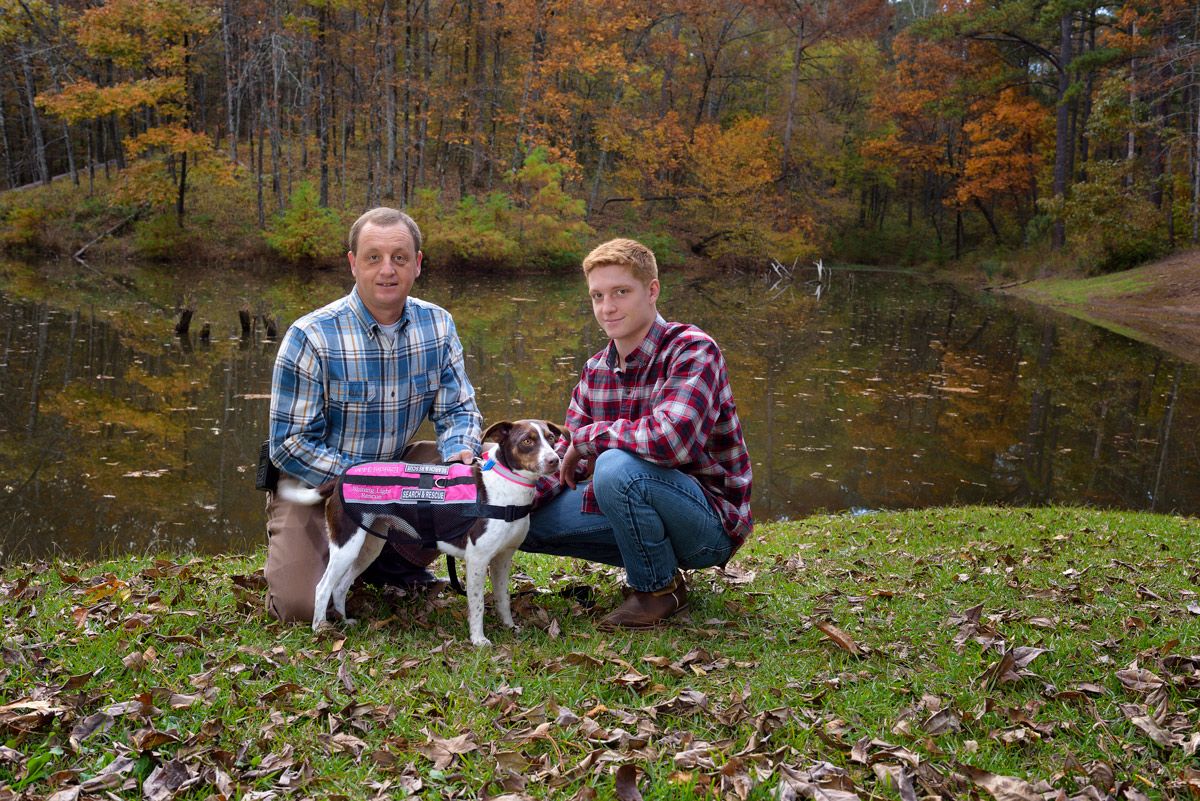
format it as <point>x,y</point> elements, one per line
<point>958,654</point>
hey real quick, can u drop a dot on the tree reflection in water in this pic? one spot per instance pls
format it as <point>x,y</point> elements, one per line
<point>884,392</point>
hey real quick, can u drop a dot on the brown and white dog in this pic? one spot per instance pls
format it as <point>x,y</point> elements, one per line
<point>524,451</point>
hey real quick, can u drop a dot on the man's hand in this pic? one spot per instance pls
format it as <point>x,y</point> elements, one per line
<point>566,469</point>
<point>464,456</point>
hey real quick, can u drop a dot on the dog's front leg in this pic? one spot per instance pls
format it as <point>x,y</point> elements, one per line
<point>501,570</point>
<point>476,578</point>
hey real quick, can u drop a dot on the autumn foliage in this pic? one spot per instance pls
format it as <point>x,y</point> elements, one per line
<point>893,131</point>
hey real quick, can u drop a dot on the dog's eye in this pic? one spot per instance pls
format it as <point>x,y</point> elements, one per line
<point>527,441</point>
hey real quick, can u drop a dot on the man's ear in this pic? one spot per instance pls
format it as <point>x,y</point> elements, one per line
<point>654,290</point>
<point>497,431</point>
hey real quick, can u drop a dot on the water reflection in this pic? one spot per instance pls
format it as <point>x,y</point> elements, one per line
<point>881,392</point>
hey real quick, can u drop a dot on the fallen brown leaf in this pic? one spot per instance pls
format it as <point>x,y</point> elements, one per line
<point>626,784</point>
<point>1002,788</point>
<point>840,638</point>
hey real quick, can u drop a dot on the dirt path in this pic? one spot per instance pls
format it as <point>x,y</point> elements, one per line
<point>1158,303</point>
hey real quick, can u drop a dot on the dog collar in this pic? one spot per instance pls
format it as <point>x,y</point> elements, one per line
<point>504,472</point>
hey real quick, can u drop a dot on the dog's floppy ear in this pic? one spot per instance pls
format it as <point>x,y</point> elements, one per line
<point>558,432</point>
<point>497,431</point>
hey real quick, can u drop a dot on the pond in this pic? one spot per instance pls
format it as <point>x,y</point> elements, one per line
<point>876,390</point>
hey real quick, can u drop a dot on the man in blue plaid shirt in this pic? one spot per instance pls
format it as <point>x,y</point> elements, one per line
<point>353,382</point>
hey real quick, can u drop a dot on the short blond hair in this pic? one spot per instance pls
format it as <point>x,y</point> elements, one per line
<point>624,253</point>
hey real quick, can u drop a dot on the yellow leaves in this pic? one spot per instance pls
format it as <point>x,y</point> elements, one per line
<point>15,18</point>
<point>734,160</point>
<point>82,99</point>
<point>137,33</point>
<point>173,138</point>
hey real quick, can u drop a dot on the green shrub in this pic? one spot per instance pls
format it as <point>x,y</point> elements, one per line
<point>160,237</point>
<point>306,231</point>
<point>1110,224</point>
<point>549,224</point>
<point>471,233</point>
<point>666,248</point>
<point>539,227</point>
<point>24,225</point>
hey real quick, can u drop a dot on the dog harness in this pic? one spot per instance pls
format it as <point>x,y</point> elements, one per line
<point>439,501</point>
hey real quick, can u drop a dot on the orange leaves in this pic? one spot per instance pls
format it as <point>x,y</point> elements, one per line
<point>1008,142</point>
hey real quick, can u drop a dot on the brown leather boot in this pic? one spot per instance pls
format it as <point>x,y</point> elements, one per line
<point>643,610</point>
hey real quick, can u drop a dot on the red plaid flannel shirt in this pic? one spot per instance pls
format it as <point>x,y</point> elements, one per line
<point>672,406</point>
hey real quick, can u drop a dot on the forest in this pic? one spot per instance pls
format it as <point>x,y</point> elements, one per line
<point>870,131</point>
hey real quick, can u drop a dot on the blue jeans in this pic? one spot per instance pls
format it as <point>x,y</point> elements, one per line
<point>654,520</point>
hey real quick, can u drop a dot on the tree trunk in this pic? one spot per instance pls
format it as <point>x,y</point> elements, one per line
<point>35,125</point>
<point>323,100</point>
<point>230,69</point>
<point>258,173</point>
<point>276,134</point>
<point>389,100</point>
<point>182,190</point>
<point>426,85</point>
<point>793,88</point>
<point>9,180</point>
<point>1062,143</point>
<point>70,154</point>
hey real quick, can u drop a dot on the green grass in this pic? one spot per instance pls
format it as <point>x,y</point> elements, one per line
<point>744,695</point>
<point>1079,292</point>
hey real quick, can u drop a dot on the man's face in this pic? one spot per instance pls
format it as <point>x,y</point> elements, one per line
<point>384,269</point>
<point>623,305</point>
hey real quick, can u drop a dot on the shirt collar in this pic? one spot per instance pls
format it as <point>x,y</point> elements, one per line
<point>368,322</point>
<point>643,353</point>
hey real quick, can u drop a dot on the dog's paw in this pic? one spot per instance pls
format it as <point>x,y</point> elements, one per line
<point>513,627</point>
<point>350,621</point>
<point>482,642</point>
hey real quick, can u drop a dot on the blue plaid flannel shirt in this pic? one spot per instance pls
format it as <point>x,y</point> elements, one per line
<point>342,393</point>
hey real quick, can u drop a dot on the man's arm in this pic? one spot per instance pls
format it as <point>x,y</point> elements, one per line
<point>673,434</point>
<point>454,412</point>
<point>570,471</point>
<point>297,422</point>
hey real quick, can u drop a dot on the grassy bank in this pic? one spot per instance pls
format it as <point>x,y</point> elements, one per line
<point>961,653</point>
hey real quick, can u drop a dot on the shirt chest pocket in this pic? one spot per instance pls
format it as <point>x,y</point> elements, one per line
<point>421,387</point>
<point>347,393</point>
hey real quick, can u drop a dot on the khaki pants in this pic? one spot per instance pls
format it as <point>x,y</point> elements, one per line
<point>298,550</point>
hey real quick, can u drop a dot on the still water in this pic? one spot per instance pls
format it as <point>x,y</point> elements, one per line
<point>883,391</point>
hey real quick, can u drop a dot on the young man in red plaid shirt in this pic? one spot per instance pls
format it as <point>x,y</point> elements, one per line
<point>654,425</point>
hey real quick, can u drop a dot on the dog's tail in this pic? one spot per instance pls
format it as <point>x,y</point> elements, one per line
<point>293,492</point>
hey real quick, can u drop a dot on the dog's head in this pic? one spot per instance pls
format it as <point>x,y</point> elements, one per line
<point>526,446</point>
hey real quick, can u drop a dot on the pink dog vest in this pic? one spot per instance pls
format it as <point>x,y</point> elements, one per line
<point>440,501</point>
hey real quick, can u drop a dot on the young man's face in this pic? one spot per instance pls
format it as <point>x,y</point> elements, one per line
<point>623,305</point>
<point>384,269</point>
